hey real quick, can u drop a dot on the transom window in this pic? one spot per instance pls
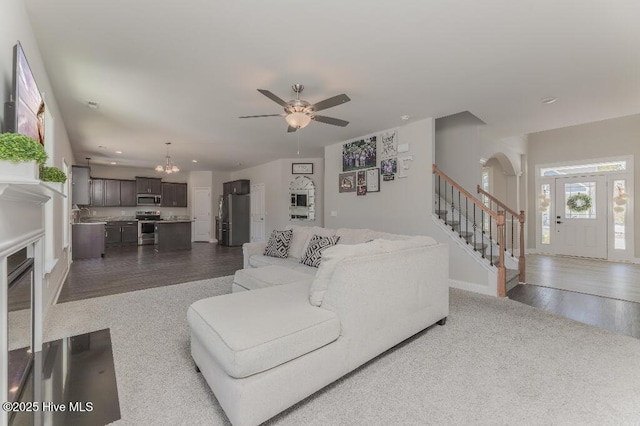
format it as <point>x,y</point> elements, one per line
<point>609,166</point>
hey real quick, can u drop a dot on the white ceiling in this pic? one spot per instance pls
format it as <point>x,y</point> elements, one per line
<point>185,70</point>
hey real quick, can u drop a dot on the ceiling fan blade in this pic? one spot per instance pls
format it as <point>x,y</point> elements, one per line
<point>330,120</point>
<point>331,102</point>
<point>273,97</point>
<point>291,129</point>
<point>263,115</point>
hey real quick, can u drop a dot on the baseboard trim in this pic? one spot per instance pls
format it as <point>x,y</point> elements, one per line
<point>473,287</point>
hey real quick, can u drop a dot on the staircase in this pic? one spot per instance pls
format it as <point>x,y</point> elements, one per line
<point>485,226</point>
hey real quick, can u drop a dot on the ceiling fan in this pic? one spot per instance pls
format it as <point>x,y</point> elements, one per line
<point>298,113</point>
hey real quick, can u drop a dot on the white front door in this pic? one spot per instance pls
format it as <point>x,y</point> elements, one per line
<point>202,214</point>
<point>581,217</point>
<point>257,212</point>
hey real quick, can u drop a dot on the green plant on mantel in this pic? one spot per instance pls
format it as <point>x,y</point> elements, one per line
<point>19,148</point>
<point>52,174</point>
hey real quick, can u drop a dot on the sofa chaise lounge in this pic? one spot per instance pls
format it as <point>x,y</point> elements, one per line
<point>262,351</point>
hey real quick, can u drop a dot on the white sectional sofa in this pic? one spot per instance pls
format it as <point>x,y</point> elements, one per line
<point>300,329</point>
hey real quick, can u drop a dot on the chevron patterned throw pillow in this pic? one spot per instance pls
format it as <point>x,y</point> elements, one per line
<point>278,245</point>
<point>317,244</point>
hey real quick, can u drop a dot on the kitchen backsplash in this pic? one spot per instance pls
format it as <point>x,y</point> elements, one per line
<point>131,211</point>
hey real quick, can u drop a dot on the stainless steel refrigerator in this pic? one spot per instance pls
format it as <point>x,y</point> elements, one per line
<point>234,220</point>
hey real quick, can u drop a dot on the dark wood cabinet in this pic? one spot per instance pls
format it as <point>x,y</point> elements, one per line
<point>174,194</point>
<point>130,234</point>
<point>112,235</point>
<point>120,233</point>
<point>88,240</point>
<point>173,236</point>
<point>81,185</point>
<point>128,193</point>
<point>111,193</point>
<point>238,187</point>
<point>97,192</point>
<point>151,186</point>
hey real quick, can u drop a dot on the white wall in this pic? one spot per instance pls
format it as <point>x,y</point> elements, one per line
<point>16,26</point>
<point>600,139</point>
<point>457,142</point>
<point>402,206</point>
<point>276,177</point>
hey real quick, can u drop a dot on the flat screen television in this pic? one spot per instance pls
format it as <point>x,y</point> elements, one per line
<point>24,113</point>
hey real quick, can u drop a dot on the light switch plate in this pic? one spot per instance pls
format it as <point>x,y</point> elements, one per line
<point>403,147</point>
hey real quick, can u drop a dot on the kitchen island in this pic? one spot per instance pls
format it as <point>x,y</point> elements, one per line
<point>173,235</point>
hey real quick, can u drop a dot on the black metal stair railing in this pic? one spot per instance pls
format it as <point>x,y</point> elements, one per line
<point>447,193</point>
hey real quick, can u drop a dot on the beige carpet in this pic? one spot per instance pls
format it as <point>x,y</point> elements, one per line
<point>496,361</point>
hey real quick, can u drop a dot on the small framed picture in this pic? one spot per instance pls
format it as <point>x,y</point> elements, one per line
<point>347,182</point>
<point>362,190</point>
<point>373,180</point>
<point>362,178</point>
<point>302,168</point>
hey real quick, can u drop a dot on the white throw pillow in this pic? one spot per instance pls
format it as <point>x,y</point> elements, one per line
<point>298,240</point>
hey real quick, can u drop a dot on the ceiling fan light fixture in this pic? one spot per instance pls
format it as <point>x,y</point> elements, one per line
<point>298,120</point>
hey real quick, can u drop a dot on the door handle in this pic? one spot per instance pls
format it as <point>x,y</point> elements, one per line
<point>558,221</point>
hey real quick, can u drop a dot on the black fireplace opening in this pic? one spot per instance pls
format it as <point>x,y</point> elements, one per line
<point>20,329</point>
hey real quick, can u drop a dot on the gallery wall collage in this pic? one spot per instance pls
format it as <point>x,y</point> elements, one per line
<point>361,173</point>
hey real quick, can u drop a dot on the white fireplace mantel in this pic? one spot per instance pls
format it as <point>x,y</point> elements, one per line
<point>35,191</point>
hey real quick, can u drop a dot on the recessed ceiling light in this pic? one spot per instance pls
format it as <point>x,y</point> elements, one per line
<point>113,163</point>
<point>548,100</point>
<point>102,147</point>
<point>404,117</point>
<point>93,105</point>
<point>194,161</point>
<point>118,152</point>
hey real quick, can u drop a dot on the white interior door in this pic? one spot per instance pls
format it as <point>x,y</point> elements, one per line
<point>257,212</point>
<point>581,231</point>
<point>202,214</point>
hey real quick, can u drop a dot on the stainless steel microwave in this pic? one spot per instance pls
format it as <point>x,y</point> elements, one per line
<point>148,200</point>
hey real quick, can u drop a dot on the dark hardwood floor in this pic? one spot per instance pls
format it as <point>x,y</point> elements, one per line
<point>619,316</point>
<point>124,269</point>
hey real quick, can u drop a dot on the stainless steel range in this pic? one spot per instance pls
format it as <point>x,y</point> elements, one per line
<point>147,226</point>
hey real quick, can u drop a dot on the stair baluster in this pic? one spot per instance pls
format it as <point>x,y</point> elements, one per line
<point>490,242</point>
<point>471,236</point>
<point>466,215</point>
<point>459,215</point>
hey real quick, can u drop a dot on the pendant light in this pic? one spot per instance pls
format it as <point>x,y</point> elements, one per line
<point>168,166</point>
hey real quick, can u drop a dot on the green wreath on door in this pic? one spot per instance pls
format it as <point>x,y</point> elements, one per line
<point>579,203</point>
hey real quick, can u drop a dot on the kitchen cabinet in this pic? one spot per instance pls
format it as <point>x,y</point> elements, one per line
<point>238,187</point>
<point>97,192</point>
<point>146,185</point>
<point>80,185</point>
<point>173,235</point>
<point>88,240</point>
<point>128,193</point>
<point>174,194</point>
<point>111,193</point>
<point>121,233</point>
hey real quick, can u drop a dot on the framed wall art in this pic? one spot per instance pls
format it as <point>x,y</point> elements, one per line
<point>373,180</point>
<point>360,154</point>
<point>302,168</point>
<point>347,182</point>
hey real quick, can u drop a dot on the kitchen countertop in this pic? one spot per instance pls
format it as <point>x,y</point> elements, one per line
<point>175,221</point>
<point>90,223</point>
